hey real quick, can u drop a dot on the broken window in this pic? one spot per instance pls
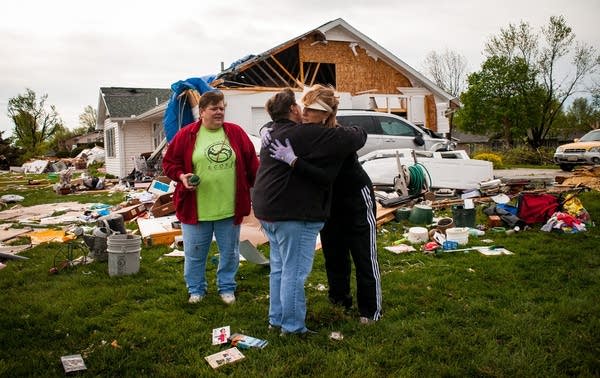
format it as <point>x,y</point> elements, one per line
<point>158,134</point>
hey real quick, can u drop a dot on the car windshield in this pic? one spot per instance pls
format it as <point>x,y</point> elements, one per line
<point>592,136</point>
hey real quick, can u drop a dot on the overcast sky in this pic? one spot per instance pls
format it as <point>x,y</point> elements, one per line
<point>69,49</point>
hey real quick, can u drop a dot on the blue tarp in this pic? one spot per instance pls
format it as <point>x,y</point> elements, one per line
<point>179,112</point>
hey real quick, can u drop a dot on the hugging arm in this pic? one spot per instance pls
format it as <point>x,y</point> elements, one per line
<point>285,153</point>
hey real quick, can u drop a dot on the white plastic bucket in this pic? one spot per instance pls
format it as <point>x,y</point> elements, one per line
<point>418,235</point>
<point>458,234</point>
<point>123,254</point>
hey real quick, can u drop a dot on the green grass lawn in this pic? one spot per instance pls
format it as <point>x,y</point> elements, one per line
<point>535,313</point>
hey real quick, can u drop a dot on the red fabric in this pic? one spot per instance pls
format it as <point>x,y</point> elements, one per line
<point>536,207</point>
<point>178,160</point>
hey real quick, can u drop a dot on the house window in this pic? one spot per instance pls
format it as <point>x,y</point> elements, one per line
<point>158,134</point>
<point>110,142</point>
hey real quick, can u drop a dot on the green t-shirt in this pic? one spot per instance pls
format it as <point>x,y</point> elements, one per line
<point>214,163</point>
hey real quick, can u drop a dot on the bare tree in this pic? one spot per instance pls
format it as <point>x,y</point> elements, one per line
<point>448,70</point>
<point>87,119</point>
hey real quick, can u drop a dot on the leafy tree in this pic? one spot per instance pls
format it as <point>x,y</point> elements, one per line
<point>34,123</point>
<point>88,118</point>
<point>582,115</point>
<point>558,44</point>
<point>501,100</point>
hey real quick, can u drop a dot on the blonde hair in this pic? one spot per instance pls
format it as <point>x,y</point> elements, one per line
<point>324,95</point>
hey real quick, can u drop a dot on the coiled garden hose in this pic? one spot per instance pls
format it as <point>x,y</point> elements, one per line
<point>417,179</point>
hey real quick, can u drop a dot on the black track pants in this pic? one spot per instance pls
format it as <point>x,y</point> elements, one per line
<point>350,233</point>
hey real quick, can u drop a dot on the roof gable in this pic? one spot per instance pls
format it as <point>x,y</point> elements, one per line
<point>287,64</point>
<point>119,102</point>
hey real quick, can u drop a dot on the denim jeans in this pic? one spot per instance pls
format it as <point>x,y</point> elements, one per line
<point>292,250</point>
<point>196,244</point>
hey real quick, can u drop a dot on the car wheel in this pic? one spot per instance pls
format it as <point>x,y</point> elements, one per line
<point>567,167</point>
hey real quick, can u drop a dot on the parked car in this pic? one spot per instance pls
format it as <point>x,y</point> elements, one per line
<point>583,151</point>
<point>388,131</point>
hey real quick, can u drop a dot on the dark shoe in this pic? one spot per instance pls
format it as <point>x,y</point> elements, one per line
<point>301,335</point>
<point>345,302</point>
<point>273,328</point>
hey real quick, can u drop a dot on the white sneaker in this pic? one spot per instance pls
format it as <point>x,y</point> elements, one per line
<point>194,298</point>
<point>228,298</point>
<point>364,320</point>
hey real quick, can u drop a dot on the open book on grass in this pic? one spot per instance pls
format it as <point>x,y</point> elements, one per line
<point>244,342</point>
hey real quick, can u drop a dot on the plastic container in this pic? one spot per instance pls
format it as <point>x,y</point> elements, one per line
<point>463,217</point>
<point>123,254</point>
<point>458,234</point>
<point>402,214</point>
<point>421,214</point>
<point>418,235</point>
<point>444,223</point>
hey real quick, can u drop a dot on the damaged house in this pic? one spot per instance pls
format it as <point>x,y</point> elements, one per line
<point>366,76</point>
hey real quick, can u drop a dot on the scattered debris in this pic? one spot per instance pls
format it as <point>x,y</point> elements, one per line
<point>224,357</point>
<point>336,335</point>
<point>73,363</point>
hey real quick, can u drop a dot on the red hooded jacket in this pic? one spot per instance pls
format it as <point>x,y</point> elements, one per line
<point>178,160</point>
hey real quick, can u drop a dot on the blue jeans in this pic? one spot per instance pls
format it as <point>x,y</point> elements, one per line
<point>196,244</point>
<point>292,250</point>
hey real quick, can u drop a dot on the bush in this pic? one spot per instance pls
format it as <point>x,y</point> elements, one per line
<point>93,169</point>
<point>491,157</point>
<point>524,155</point>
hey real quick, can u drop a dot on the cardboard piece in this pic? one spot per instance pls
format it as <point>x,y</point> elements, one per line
<point>250,253</point>
<point>251,230</point>
<point>158,231</point>
<point>163,205</point>
<point>10,233</point>
<point>131,212</point>
<point>161,185</point>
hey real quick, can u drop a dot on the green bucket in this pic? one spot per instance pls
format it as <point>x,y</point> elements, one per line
<point>402,214</point>
<point>421,214</point>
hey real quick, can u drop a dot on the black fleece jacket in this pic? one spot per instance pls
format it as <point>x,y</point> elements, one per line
<point>281,193</point>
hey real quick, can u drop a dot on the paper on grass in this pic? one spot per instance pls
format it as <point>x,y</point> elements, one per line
<point>400,248</point>
<point>220,335</point>
<point>493,252</point>
<point>72,363</point>
<point>224,357</point>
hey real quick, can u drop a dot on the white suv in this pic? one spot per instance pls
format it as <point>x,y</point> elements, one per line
<point>389,131</point>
